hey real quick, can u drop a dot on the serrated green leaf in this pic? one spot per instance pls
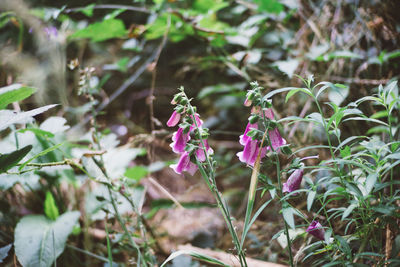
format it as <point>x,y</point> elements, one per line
<point>7,161</point>
<point>14,93</point>
<point>50,207</point>
<point>38,241</point>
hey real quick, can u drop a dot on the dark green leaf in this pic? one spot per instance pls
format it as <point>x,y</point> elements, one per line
<point>7,161</point>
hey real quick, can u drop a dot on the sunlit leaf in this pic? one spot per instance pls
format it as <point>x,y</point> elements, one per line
<point>102,31</point>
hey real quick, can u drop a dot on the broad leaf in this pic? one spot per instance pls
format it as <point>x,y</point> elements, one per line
<point>39,241</point>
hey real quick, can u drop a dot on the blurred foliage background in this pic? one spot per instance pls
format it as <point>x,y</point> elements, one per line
<point>132,55</point>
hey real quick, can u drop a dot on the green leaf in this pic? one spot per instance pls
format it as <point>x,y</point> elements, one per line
<point>270,6</point>
<point>44,152</point>
<point>310,199</point>
<point>136,173</point>
<point>8,117</point>
<point>370,182</point>
<point>194,254</point>
<point>7,161</point>
<point>348,210</point>
<point>14,93</point>
<point>38,241</point>
<point>50,207</point>
<point>288,216</point>
<point>101,31</point>
<point>37,132</point>
<point>345,152</point>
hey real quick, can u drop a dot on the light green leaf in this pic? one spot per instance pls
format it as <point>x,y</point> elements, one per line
<point>348,210</point>
<point>310,199</point>
<point>14,93</point>
<point>270,6</point>
<point>50,207</point>
<point>7,161</point>
<point>38,241</point>
<point>136,173</point>
<point>288,216</point>
<point>101,31</point>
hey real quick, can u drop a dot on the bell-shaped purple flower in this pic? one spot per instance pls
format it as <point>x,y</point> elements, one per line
<point>250,152</point>
<point>294,181</point>
<point>179,141</point>
<point>174,119</point>
<point>316,230</point>
<point>276,139</point>
<point>184,164</point>
<point>269,113</point>
<point>244,137</point>
<point>200,151</point>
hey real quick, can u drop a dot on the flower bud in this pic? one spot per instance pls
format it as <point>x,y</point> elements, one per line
<point>316,230</point>
<point>253,118</point>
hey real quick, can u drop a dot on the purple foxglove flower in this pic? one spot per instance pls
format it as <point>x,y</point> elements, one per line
<point>199,122</point>
<point>293,182</point>
<point>200,151</point>
<point>179,141</point>
<point>250,152</point>
<point>244,137</point>
<point>276,139</point>
<point>269,113</point>
<point>184,164</point>
<point>316,230</point>
<point>174,119</point>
